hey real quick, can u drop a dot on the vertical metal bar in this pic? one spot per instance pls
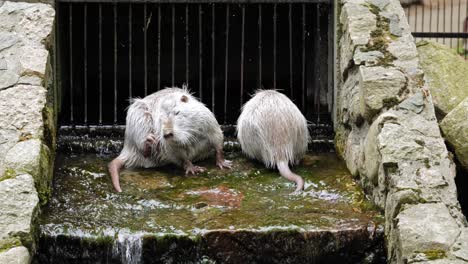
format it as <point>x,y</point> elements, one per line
<point>55,50</point>
<point>130,90</point>
<point>415,19</point>
<point>459,10</point>
<point>100,63</point>
<point>145,57</point>
<point>303,94</point>
<point>444,22</point>
<point>274,46</point>
<point>430,16</point>
<point>173,46</point>
<point>290,51</point>
<point>70,30</point>
<point>159,47</point>
<point>422,20</point>
<point>200,52</point>
<point>213,49</point>
<point>242,56</point>
<point>318,64</point>
<point>466,27</point>
<point>451,22</point>
<point>187,44</point>
<point>115,63</point>
<point>226,62</point>
<point>438,15</point>
<point>259,46</point>
<point>85,41</point>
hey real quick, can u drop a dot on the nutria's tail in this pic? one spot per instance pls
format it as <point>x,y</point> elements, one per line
<point>114,169</point>
<point>288,174</point>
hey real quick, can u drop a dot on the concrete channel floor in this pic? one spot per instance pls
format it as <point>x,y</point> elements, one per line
<point>242,215</point>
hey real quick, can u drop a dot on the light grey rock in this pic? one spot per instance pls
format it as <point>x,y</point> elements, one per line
<point>455,129</point>
<point>350,99</point>
<point>16,255</point>
<point>379,87</point>
<point>24,157</point>
<point>443,261</point>
<point>32,22</point>
<point>33,60</point>
<point>3,64</point>
<point>445,73</point>
<point>381,4</point>
<point>405,51</point>
<point>7,40</point>
<point>426,227</point>
<point>368,58</point>
<point>8,79</point>
<point>460,248</point>
<point>357,24</point>
<point>30,80</point>
<point>18,200</point>
<point>371,147</point>
<point>413,103</point>
<point>21,109</point>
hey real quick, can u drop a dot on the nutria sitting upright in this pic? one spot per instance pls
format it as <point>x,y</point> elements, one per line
<point>169,126</point>
<point>273,130</point>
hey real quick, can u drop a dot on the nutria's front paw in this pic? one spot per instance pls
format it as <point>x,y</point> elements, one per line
<point>150,141</point>
<point>224,164</point>
<point>194,170</point>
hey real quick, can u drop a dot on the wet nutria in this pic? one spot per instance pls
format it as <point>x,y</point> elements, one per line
<point>169,126</point>
<point>273,130</point>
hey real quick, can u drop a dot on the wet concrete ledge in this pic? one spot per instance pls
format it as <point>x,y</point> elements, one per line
<point>357,245</point>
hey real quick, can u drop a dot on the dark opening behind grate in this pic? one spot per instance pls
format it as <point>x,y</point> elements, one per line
<point>109,52</point>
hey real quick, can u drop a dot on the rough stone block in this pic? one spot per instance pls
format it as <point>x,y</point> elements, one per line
<point>18,200</point>
<point>426,228</point>
<point>379,87</point>
<point>16,255</point>
<point>455,129</point>
<point>445,73</point>
<point>460,248</point>
<point>31,21</point>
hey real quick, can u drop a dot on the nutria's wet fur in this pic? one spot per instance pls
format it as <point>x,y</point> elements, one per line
<point>169,126</point>
<point>273,130</point>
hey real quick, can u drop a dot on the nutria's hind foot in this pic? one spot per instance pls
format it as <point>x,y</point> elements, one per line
<point>192,169</point>
<point>220,161</point>
<point>224,164</point>
<point>114,168</point>
<point>288,174</point>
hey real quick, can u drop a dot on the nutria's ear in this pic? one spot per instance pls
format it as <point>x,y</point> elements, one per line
<point>184,98</point>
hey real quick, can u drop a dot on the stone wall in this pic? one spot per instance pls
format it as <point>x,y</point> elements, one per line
<point>27,123</point>
<point>387,132</point>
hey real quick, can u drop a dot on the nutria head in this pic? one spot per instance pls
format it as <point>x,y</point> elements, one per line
<point>175,120</point>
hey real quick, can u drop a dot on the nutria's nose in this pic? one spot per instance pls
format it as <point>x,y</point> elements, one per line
<point>168,135</point>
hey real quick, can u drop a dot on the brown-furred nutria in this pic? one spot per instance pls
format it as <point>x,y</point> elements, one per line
<point>169,126</point>
<point>273,130</point>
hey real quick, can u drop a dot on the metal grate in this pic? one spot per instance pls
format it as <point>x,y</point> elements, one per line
<point>109,52</point>
<point>443,21</point>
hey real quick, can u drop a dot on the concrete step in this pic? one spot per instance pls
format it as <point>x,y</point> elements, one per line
<point>243,215</point>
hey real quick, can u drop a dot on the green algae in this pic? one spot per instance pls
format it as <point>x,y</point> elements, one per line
<point>380,37</point>
<point>10,242</point>
<point>8,174</point>
<point>164,201</point>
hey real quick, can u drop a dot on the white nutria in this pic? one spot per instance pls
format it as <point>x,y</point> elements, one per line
<point>273,130</point>
<point>169,126</point>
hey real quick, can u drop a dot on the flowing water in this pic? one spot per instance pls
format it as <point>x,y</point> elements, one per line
<point>241,215</point>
